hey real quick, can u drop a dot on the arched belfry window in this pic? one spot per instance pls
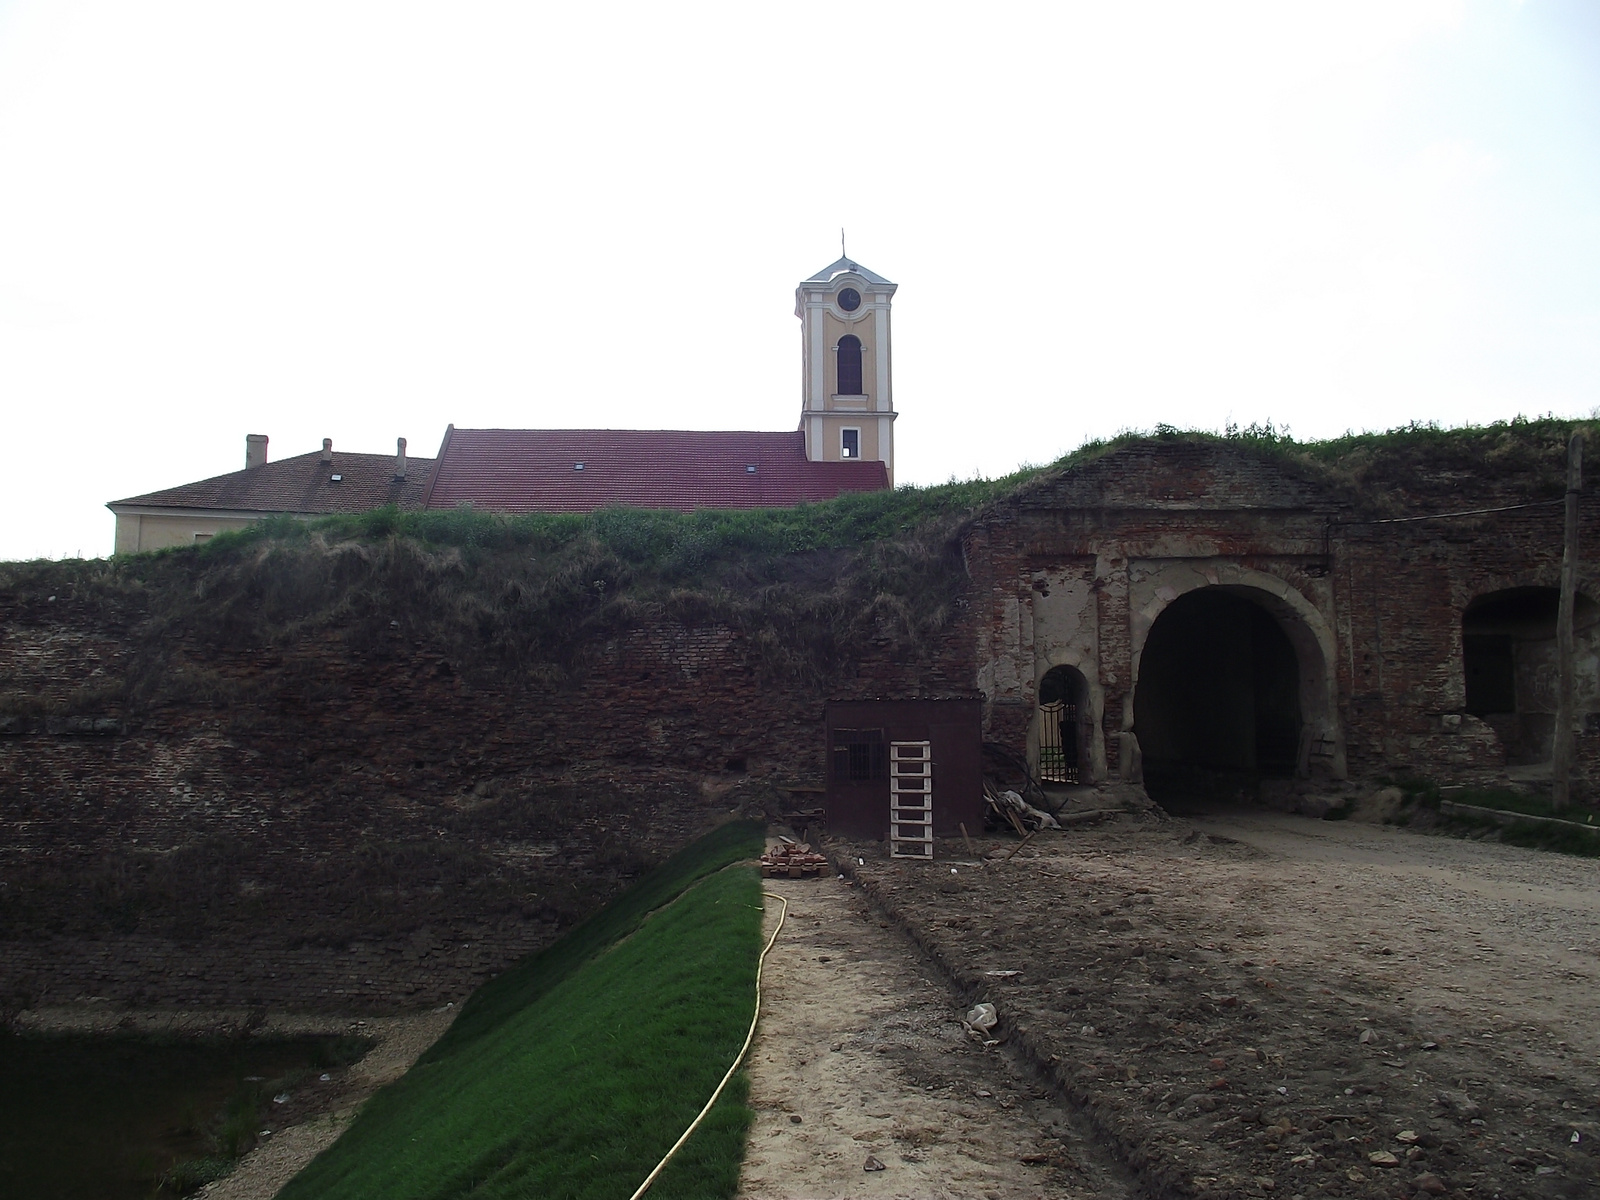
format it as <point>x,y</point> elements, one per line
<point>850,365</point>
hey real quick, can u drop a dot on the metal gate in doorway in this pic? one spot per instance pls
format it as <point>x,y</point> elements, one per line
<point>1058,742</point>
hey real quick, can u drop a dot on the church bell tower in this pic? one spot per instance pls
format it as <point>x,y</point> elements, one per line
<point>847,394</point>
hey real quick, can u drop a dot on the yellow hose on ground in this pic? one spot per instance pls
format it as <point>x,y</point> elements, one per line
<point>743,1050</point>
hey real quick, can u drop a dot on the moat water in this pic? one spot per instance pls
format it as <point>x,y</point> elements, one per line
<point>114,1117</point>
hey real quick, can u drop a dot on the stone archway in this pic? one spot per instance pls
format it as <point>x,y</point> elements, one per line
<point>1074,677</point>
<point>1064,727</point>
<point>1234,684</point>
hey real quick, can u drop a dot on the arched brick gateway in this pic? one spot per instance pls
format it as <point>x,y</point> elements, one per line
<point>1271,707</point>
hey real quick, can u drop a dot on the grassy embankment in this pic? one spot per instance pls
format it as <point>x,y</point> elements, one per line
<point>1536,835</point>
<point>1424,796</point>
<point>570,1075</point>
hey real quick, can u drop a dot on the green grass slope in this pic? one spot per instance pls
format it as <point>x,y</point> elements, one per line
<point>572,1074</point>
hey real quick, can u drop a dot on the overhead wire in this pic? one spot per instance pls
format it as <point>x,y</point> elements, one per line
<point>1469,512</point>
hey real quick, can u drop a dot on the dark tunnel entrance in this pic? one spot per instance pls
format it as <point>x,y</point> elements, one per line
<point>1217,703</point>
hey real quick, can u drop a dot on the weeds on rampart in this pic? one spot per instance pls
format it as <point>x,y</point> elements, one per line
<point>527,600</point>
<point>677,545</point>
<point>1551,837</point>
<point>1534,805</point>
<point>1530,834</point>
<point>1522,456</point>
<point>1427,794</point>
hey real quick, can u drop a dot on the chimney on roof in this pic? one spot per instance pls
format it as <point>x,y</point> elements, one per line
<point>400,458</point>
<point>255,450</point>
<point>327,450</point>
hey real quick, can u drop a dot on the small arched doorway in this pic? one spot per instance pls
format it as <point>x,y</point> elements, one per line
<point>1063,726</point>
<point>1217,702</point>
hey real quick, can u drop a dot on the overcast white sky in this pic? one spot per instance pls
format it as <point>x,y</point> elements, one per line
<point>366,220</point>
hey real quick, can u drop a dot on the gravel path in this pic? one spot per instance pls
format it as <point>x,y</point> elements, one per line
<point>861,1052</point>
<point>1476,932</point>
<point>1252,1004</point>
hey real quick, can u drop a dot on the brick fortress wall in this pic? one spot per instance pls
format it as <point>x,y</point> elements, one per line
<point>1064,572</point>
<point>318,829</point>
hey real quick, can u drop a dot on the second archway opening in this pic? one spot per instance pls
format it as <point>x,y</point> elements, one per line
<point>1217,703</point>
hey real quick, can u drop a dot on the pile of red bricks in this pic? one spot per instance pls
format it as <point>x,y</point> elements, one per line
<point>792,860</point>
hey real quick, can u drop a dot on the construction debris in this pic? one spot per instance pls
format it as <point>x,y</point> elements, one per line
<point>980,1022</point>
<point>1013,809</point>
<point>792,860</point>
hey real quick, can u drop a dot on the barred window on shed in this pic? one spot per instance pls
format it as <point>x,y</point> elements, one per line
<point>859,755</point>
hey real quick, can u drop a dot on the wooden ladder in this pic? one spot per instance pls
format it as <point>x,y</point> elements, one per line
<point>911,800</point>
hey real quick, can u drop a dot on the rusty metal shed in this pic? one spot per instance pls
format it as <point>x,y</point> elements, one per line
<point>860,734</point>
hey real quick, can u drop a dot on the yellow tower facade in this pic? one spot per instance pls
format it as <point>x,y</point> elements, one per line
<point>847,378</point>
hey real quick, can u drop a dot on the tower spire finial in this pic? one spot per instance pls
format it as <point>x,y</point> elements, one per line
<point>842,253</point>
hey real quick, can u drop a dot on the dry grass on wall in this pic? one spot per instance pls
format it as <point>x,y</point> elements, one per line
<point>505,608</point>
<point>528,601</point>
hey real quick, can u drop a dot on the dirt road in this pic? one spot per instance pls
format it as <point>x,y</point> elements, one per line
<point>861,1052</point>
<point>1254,1004</point>
<point>1475,932</point>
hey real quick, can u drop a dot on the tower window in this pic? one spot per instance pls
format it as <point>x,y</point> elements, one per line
<point>850,443</point>
<point>850,365</point>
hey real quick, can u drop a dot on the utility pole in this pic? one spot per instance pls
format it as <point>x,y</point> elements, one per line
<point>1561,756</point>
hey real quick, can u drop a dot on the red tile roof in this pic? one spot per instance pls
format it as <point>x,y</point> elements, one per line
<point>535,470</point>
<point>302,484</point>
